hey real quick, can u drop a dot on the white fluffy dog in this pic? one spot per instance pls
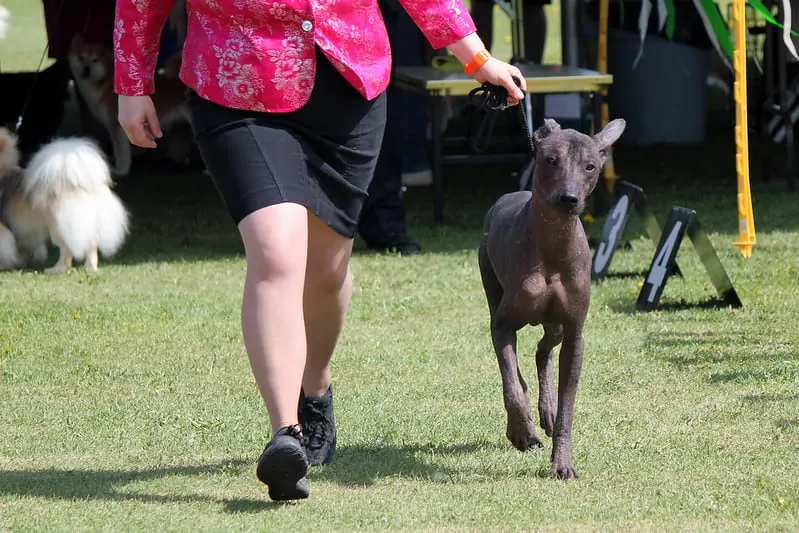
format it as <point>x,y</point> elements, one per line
<point>64,194</point>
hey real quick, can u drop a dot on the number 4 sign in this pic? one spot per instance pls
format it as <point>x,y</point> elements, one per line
<point>680,222</point>
<point>628,195</point>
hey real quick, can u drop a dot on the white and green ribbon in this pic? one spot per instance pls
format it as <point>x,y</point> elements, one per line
<point>717,30</point>
<point>643,25</point>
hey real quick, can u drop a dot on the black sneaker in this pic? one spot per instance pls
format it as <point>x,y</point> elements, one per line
<point>283,465</point>
<point>318,427</point>
<point>398,243</point>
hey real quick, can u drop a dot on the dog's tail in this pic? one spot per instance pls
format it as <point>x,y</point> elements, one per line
<point>71,180</point>
<point>86,222</point>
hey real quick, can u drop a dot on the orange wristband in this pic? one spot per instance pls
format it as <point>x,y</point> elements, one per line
<point>475,63</point>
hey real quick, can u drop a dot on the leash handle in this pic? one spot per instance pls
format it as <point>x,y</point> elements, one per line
<point>492,99</point>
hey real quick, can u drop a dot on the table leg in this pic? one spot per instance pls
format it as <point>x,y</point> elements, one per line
<point>601,193</point>
<point>436,117</point>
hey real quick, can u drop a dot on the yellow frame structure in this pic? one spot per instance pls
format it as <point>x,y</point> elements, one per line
<point>746,218</point>
<point>609,173</point>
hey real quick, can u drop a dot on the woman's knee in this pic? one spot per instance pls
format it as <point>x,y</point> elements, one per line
<point>328,278</point>
<point>328,269</point>
<point>275,242</point>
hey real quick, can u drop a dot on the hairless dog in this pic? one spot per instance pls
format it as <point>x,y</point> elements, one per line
<point>536,269</point>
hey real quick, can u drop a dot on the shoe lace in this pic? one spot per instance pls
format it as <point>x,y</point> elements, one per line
<point>292,431</point>
<point>316,426</point>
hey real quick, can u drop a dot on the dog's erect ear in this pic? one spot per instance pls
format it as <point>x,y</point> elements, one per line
<point>609,135</point>
<point>549,127</point>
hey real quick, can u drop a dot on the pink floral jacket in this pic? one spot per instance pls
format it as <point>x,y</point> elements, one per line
<point>259,55</point>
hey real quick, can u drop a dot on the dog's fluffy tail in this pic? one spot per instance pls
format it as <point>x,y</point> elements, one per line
<point>71,180</point>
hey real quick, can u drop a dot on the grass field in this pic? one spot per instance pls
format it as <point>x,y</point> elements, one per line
<point>127,404</point>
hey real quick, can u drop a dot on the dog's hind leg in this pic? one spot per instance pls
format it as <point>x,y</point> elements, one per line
<point>547,401</point>
<point>92,260</point>
<point>64,262</point>
<point>491,286</point>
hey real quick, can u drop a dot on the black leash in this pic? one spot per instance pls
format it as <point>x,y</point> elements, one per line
<point>493,99</point>
<point>38,71</point>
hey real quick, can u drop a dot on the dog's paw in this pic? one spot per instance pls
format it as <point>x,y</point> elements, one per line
<point>547,412</point>
<point>56,269</point>
<point>563,471</point>
<point>521,433</point>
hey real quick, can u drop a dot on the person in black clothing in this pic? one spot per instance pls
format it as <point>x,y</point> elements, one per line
<point>382,224</point>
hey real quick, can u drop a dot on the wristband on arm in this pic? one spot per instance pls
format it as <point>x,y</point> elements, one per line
<point>476,62</point>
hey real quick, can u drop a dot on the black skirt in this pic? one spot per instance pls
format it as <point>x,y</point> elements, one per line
<point>321,156</point>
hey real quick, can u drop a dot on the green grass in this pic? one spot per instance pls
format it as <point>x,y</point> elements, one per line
<point>128,404</point>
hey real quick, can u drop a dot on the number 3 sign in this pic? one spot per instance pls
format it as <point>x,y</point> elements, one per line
<point>680,222</point>
<point>627,196</point>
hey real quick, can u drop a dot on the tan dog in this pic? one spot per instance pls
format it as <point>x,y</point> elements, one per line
<point>63,195</point>
<point>93,70</point>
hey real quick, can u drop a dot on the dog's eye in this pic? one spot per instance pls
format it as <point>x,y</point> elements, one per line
<point>590,167</point>
<point>552,160</point>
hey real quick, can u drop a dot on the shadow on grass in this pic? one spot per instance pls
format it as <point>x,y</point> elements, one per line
<point>743,350</point>
<point>358,466</point>
<point>767,375</point>
<point>627,307</point>
<point>766,398</point>
<point>623,275</point>
<point>109,485</point>
<point>787,423</point>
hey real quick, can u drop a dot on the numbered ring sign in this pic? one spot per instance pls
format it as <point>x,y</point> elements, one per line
<point>611,234</point>
<point>682,221</point>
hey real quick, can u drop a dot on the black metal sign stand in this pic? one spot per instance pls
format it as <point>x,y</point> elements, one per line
<point>627,195</point>
<point>679,222</point>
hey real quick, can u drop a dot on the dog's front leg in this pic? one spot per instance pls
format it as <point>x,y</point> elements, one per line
<point>520,430</point>
<point>64,262</point>
<point>570,363</point>
<point>547,402</point>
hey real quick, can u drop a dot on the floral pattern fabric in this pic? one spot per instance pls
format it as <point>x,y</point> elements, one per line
<point>260,54</point>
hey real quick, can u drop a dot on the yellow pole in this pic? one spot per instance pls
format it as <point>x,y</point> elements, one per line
<point>602,66</point>
<point>746,219</point>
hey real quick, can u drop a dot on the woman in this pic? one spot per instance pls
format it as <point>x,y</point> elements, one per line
<point>288,109</point>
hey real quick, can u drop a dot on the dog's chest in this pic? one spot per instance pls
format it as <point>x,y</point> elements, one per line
<point>540,298</point>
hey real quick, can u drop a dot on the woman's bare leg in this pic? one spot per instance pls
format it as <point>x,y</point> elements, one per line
<point>328,288</point>
<point>275,241</point>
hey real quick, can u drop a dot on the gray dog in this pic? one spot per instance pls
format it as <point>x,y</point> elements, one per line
<point>536,269</point>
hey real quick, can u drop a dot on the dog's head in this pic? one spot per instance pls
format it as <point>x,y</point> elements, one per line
<point>90,61</point>
<point>9,153</point>
<point>568,163</point>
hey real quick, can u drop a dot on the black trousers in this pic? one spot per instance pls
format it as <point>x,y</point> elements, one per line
<point>384,210</point>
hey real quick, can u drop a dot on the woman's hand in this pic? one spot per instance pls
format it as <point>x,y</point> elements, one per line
<point>138,118</point>
<point>499,73</point>
<point>493,71</point>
